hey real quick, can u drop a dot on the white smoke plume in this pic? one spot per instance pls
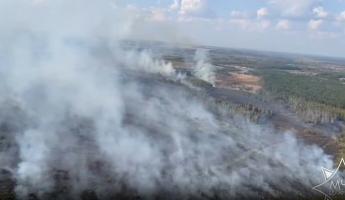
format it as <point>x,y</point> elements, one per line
<point>79,113</point>
<point>203,69</point>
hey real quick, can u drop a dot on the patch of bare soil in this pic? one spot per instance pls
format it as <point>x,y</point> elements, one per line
<point>239,81</point>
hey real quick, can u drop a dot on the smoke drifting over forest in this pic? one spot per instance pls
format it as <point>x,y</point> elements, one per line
<point>80,113</point>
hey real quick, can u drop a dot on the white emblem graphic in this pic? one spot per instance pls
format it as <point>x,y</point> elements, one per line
<point>333,184</point>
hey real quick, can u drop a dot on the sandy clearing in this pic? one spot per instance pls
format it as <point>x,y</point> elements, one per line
<point>239,81</point>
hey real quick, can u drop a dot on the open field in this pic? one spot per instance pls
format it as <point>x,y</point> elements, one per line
<point>244,82</point>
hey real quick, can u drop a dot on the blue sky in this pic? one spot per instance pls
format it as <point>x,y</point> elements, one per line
<point>300,26</point>
<point>223,6</point>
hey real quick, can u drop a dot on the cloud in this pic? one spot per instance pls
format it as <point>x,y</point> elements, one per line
<point>341,17</point>
<point>315,24</point>
<point>262,12</point>
<point>249,22</point>
<point>191,19</point>
<point>283,24</point>
<point>158,15</point>
<point>190,7</point>
<point>251,25</point>
<point>242,23</point>
<point>175,5</point>
<point>238,14</point>
<point>320,12</point>
<point>264,24</point>
<point>293,8</point>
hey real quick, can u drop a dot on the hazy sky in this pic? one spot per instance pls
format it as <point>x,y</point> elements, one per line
<point>302,26</point>
<point>298,26</point>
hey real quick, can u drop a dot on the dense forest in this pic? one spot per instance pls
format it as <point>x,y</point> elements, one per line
<point>322,90</point>
<point>319,98</point>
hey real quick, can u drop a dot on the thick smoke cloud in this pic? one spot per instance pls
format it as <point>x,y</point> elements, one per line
<point>80,113</point>
<point>203,69</point>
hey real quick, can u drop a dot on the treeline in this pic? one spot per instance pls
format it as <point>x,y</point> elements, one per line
<point>249,111</point>
<point>314,112</point>
<point>311,88</point>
